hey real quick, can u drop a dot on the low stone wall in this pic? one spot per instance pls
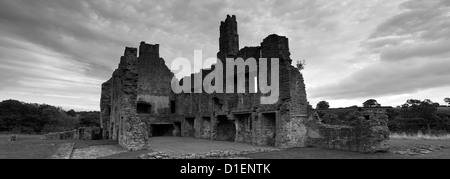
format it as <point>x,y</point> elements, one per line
<point>86,133</point>
<point>368,133</point>
<point>64,151</point>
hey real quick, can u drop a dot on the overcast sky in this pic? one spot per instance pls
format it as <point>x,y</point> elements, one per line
<point>59,52</point>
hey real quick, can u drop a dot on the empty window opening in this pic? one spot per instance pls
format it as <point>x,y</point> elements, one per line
<point>121,125</point>
<point>173,107</point>
<point>245,122</point>
<point>144,108</point>
<point>217,103</point>
<point>249,124</point>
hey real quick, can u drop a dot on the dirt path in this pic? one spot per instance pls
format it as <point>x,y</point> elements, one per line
<point>95,152</point>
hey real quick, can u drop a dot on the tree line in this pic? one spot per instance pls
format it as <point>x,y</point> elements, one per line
<point>412,117</point>
<point>30,118</point>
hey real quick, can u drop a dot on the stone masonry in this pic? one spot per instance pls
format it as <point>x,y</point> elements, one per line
<point>137,103</point>
<point>84,133</point>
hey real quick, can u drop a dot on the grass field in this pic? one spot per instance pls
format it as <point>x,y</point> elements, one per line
<point>420,136</point>
<point>32,147</point>
<point>27,147</point>
<point>396,144</point>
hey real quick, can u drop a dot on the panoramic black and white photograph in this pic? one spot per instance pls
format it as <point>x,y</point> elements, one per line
<point>188,80</point>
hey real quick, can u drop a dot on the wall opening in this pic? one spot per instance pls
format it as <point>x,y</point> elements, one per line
<point>144,108</point>
<point>121,126</point>
<point>226,129</point>
<point>206,128</point>
<point>245,122</point>
<point>269,128</point>
<point>189,130</point>
<point>177,130</point>
<point>173,107</point>
<point>161,130</point>
<point>111,131</point>
<point>244,128</point>
<point>217,104</point>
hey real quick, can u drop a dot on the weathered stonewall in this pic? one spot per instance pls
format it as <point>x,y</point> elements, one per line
<point>137,103</point>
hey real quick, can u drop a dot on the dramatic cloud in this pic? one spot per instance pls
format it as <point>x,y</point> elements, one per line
<point>60,51</point>
<point>410,53</point>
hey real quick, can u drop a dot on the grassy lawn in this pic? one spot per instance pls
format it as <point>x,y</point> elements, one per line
<point>396,144</point>
<point>32,147</point>
<point>27,147</point>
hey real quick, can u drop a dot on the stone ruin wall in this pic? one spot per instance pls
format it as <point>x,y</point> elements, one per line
<point>228,117</point>
<point>369,133</point>
<point>105,110</point>
<point>124,123</point>
<point>154,88</point>
<point>270,124</point>
<point>85,133</point>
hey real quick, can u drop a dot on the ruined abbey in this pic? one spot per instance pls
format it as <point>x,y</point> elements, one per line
<point>138,103</point>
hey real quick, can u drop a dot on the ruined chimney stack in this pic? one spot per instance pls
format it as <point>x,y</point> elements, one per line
<point>229,38</point>
<point>130,51</point>
<point>275,46</point>
<point>149,51</point>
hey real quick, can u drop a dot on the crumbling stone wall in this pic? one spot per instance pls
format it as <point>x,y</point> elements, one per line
<point>84,133</point>
<point>153,86</point>
<point>105,108</point>
<point>367,132</point>
<point>125,124</point>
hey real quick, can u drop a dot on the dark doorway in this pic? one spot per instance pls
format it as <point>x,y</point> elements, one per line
<point>269,121</point>
<point>177,131</point>
<point>189,127</point>
<point>173,107</point>
<point>244,126</point>
<point>226,129</point>
<point>160,130</point>
<point>206,128</point>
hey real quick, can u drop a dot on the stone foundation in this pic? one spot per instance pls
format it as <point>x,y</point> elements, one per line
<point>368,133</point>
<point>89,133</point>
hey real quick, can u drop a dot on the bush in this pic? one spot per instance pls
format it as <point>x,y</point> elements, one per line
<point>340,117</point>
<point>24,118</point>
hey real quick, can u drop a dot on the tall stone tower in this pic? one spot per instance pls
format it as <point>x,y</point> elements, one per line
<point>229,38</point>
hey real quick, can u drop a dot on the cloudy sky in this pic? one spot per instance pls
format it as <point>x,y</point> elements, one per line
<point>60,51</point>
